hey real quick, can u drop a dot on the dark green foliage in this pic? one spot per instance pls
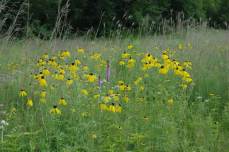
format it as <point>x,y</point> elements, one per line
<point>108,15</point>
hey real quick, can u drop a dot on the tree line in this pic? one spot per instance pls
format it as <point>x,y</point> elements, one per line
<point>83,15</point>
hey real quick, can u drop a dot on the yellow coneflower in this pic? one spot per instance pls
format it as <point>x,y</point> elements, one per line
<point>103,107</point>
<point>121,63</point>
<point>55,110</point>
<point>85,68</point>
<point>127,88</point>
<point>125,55</point>
<point>22,93</point>
<point>45,56</point>
<point>130,46</point>
<point>42,81</point>
<point>81,50</point>
<point>121,85</point>
<point>96,96</point>
<point>77,62</point>
<point>112,108</point>
<point>46,72</point>
<point>43,94</point>
<point>180,46</point>
<point>69,82</point>
<point>184,86</point>
<point>170,102</point>
<point>59,76</point>
<point>93,136</point>
<point>29,102</point>
<point>64,54</point>
<point>84,92</point>
<point>126,98</point>
<point>91,77</point>
<point>118,108</point>
<point>131,63</point>
<point>115,97</point>
<point>96,56</point>
<point>73,68</point>
<point>106,98</point>
<point>163,70</point>
<point>62,102</point>
<point>138,80</point>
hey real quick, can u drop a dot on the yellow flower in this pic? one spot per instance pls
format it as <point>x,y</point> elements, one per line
<point>127,87</point>
<point>84,92</point>
<point>142,88</point>
<point>42,82</point>
<point>96,56</point>
<point>116,97</point>
<point>91,77</point>
<point>81,50</point>
<point>125,55</point>
<point>64,54</point>
<point>62,102</point>
<point>41,62</point>
<point>139,79</point>
<point>69,82</point>
<point>55,111</point>
<point>59,76</point>
<point>73,68</point>
<point>29,103</point>
<point>180,46</point>
<point>121,85</point>
<point>103,106</point>
<point>85,68</point>
<point>106,98</point>
<point>114,108</point>
<point>184,86</point>
<point>163,70</point>
<point>189,45</point>
<point>170,102</point>
<point>126,98</point>
<point>111,108</point>
<point>46,72</point>
<point>130,46</point>
<point>61,71</point>
<point>77,62</point>
<point>94,136</point>
<point>118,108</point>
<point>131,63</point>
<point>45,56</point>
<point>110,92</point>
<point>96,96</point>
<point>164,56</point>
<point>187,79</point>
<point>43,94</point>
<point>187,64</point>
<point>121,63</point>
<point>22,93</point>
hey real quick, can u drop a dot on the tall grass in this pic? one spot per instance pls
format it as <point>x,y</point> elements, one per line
<point>197,122</point>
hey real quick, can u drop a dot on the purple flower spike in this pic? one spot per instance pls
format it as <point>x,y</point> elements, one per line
<point>108,71</point>
<point>100,82</point>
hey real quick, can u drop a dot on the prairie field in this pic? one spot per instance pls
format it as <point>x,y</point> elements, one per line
<point>162,93</point>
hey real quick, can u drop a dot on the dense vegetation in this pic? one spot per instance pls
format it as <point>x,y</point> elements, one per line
<point>163,94</point>
<point>42,16</point>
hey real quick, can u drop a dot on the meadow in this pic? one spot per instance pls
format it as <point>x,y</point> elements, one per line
<point>162,93</point>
